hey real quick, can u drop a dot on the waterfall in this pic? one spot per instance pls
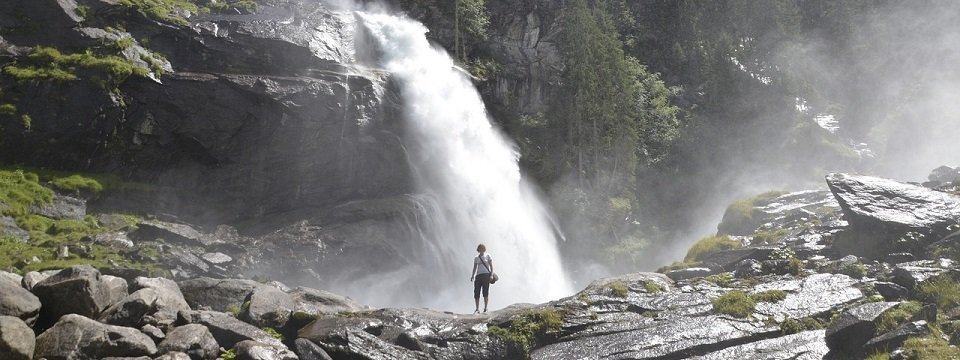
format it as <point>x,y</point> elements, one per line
<point>463,162</point>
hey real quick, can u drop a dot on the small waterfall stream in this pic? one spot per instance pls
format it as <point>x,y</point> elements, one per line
<point>463,162</point>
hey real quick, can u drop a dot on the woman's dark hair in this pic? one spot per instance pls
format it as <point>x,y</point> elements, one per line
<point>481,248</point>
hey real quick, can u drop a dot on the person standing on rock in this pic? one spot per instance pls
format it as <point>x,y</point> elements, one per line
<point>482,267</point>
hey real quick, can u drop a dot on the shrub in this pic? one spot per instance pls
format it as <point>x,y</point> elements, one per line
<point>791,326</point>
<point>709,245</point>
<point>77,183</point>
<point>618,289</point>
<point>856,270</point>
<point>722,279</point>
<point>896,316</point>
<point>525,329</point>
<point>942,290</point>
<point>795,267</point>
<point>735,303</point>
<point>26,121</point>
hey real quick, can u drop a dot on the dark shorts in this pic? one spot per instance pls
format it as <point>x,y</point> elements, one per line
<point>482,281</point>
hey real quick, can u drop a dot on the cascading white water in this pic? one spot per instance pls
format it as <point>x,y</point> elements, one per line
<point>460,159</point>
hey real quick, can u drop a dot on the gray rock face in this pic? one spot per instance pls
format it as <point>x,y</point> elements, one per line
<point>176,355</point>
<point>813,295</point>
<point>315,302</point>
<point>226,329</point>
<point>170,300</point>
<point>804,345</point>
<point>192,339</point>
<point>63,207</point>
<point>216,294</point>
<point>854,327</point>
<point>910,274</point>
<point>886,216</point>
<point>252,350</point>
<point>895,338</point>
<point>307,350</point>
<point>172,232</point>
<point>10,277</point>
<point>77,337</point>
<point>18,302</point>
<point>729,259</point>
<point>33,278</point>
<point>114,239</point>
<point>269,307</point>
<point>944,174</point>
<point>691,272</point>
<point>118,287</point>
<point>8,227</point>
<point>131,310</point>
<point>75,290</point>
<point>16,339</point>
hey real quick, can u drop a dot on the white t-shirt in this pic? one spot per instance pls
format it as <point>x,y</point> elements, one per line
<point>480,268</point>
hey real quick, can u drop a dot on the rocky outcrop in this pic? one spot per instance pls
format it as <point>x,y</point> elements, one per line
<point>193,339</point>
<point>886,216</point>
<point>77,337</point>
<point>217,294</point>
<point>18,302</point>
<point>268,306</point>
<point>226,329</point>
<point>74,290</point>
<point>855,327</point>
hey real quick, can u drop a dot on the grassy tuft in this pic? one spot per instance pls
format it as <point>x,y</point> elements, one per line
<point>46,63</point>
<point>942,290</point>
<point>77,183</point>
<point>896,316</point>
<point>20,191</point>
<point>724,279</point>
<point>770,296</point>
<point>709,245</point>
<point>618,289</point>
<point>735,303</point>
<point>652,287</point>
<point>744,212</point>
<point>273,333</point>
<point>792,326</point>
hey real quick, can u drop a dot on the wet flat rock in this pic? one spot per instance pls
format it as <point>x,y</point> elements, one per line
<point>674,338</point>
<point>808,345</point>
<point>809,296</point>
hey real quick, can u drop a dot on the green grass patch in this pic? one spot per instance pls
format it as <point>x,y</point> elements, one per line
<point>228,355</point>
<point>678,265</point>
<point>21,190</point>
<point>929,348</point>
<point>770,296</point>
<point>709,245</point>
<point>735,303</point>
<point>896,316</point>
<point>47,63</point>
<point>77,183</point>
<point>856,270</point>
<point>527,330</point>
<point>8,109</point>
<point>941,290</point>
<point>618,289</point>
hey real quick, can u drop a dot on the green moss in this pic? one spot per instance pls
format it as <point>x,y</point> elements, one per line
<point>652,287</point>
<point>896,316</point>
<point>8,109</point>
<point>584,297</point>
<point>941,290</point>
<point>524,331</point>
<point>273,333</point>
<point>234,309</point>
<point>735,303</point>
<point>709,245</point>
<point>618,289</point>
<point>26,121</point>
<point>770,296</point>
<point>77,183</point>
<point>792,326</point>
<point>929,348</point>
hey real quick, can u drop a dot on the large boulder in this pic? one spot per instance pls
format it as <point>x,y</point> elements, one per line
<point>16,339</point>
<point>8,227</point>
<point>854,327</point>
<point>75,290</point>
<point>217,294</point>
<point>226,329</point>
<point>18,302</point>
<point>63,207</point>
<point>887,216</point>
<point>307,350</point>
<point>194,340</point>
<point>132,310</point>
<point>171,232</point>
<point>315,302</point>
<point>804,345</point>
<point>252,350</point>
<point>170,300</point>
<point>77,337</point>
<point>268,307</point>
